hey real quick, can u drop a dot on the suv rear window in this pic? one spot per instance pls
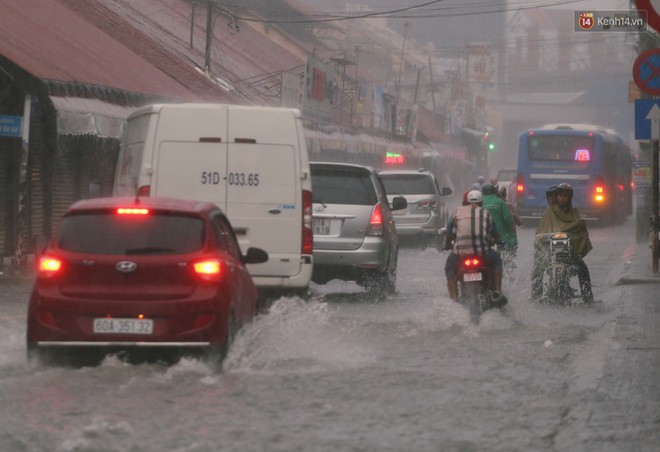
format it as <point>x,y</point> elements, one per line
<point>407,184</point>
<point>341,186</point>
<point>109,233</point>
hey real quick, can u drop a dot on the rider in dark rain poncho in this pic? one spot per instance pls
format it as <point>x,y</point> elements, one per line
<point>563,217</point>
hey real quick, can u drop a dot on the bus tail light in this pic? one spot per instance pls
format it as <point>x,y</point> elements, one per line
<point>520,184</point>
<point>599,191</point>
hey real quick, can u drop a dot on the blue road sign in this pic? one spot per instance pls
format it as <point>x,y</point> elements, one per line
<point>10,126</point>
<point>643,125</point>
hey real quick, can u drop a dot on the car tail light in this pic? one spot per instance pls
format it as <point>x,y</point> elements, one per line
<point>376,221</point>
<point>427,204</point>
<point>132,211</point>
<point>599,191</point>
<point>307,233</point>
<point>144,190</point>
<point>48,266</point>
<point>209,270</point>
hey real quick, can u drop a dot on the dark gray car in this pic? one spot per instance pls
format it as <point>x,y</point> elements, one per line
<point>354,234</point>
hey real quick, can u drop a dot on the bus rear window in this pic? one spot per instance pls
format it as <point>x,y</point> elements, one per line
<point>560,148</point>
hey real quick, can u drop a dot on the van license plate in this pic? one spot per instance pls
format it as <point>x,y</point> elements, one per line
<point>321,226</point>
<point>468,277</point>
<point>123,326</point>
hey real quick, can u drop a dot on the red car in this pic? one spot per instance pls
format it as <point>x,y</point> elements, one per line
<point>140,276</point>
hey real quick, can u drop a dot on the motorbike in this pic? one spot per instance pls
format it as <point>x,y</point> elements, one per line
<point>475,287</point>
<point>559,270</point>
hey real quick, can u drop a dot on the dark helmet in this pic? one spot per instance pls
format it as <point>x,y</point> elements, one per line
<point>565,188</point>
<point>489,189</point>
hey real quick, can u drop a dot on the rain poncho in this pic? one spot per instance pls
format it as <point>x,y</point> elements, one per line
<point>556,220</point>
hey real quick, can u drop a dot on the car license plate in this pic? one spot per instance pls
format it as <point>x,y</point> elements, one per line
<point>321,226</point>
<point>123,326</point>
<point>469,277</point>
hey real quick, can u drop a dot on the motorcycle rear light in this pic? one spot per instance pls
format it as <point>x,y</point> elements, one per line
<point>307,246</point>
<point>209,270</point>
<point>472,262</point>
<point>48,267</point>
<point>376,221</point>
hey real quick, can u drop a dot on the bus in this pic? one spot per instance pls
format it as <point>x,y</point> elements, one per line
<point>594,160</point>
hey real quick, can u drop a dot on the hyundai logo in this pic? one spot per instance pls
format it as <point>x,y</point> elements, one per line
<point>126,266</point>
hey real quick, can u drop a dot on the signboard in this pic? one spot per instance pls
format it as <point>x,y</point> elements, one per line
<point>481,63</point>
<point>642,174</point>
<point>653,16</point>
<point>319,90</point>
<point>11,126</point>
<point>646,71</point>
<point>642,121</point>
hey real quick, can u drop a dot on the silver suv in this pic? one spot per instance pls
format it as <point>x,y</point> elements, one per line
<point>354,234</point>
<point>426,213</point>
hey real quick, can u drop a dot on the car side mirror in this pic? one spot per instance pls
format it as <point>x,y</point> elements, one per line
<point>444,191</point>
<point>398,203</point>
<point>255,256</point>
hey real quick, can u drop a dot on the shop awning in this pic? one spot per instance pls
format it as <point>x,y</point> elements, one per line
<point>77,115</point>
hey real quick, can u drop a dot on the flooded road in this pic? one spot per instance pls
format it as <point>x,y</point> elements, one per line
<point>344,372</point>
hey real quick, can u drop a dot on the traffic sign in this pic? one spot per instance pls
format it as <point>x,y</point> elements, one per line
<point>646,71</point>
<point>10,126</point>
<point>643,121</point>
<point>653,16</point>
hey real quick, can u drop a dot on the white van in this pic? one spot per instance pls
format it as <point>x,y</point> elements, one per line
<point>250,161</point>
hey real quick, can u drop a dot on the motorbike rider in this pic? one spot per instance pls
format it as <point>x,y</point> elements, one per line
<point>471,228</point>
<point>502,219</point>
<point>563,217</point>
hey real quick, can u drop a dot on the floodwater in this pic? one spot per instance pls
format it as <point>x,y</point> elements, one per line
<point>341,372</point>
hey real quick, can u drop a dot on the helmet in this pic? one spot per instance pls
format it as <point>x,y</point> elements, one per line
<point>501,189</point>
<point>474,196</point>
<point>551,191</point>
<point>565,188</point>
<point>489,189</point>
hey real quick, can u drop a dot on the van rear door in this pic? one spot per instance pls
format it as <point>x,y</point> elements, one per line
<point>190,154</point>
<point>264,195</point>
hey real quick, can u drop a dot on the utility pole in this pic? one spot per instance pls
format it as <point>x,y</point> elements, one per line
<point>209,36</point>
<point>432,86</point>
<point>403,47</point>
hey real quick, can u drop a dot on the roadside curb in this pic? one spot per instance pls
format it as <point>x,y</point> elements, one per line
<point>629,280</point>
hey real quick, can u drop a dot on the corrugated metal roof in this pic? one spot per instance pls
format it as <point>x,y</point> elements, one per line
<point>141,47</point>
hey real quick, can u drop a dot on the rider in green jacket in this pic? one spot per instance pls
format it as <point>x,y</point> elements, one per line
<point>502,219</point>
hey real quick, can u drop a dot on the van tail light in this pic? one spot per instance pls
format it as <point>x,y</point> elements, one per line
<point>376,221</point>
<point>307,233</point>
<point>210,270</point>
<point>599,191</point>
<point>144,190</point>
<point>48,267</point>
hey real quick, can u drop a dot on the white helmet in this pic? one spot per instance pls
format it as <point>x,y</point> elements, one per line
<point>474,196</point>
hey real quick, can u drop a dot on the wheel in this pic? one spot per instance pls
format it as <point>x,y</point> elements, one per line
<point>471,297</point>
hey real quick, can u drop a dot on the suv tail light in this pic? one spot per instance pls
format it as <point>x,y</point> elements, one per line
<point>427,204</point>
<point>375,226</point>
<point>48,266</point>
<point>307,233</point>
<point>209,270</point>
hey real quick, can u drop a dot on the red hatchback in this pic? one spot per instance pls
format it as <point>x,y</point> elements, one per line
<point>147,278</point>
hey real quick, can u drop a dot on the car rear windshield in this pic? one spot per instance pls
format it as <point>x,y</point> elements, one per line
<point>341,186</point>
<point>110,233</point>
<point>407,184</point>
